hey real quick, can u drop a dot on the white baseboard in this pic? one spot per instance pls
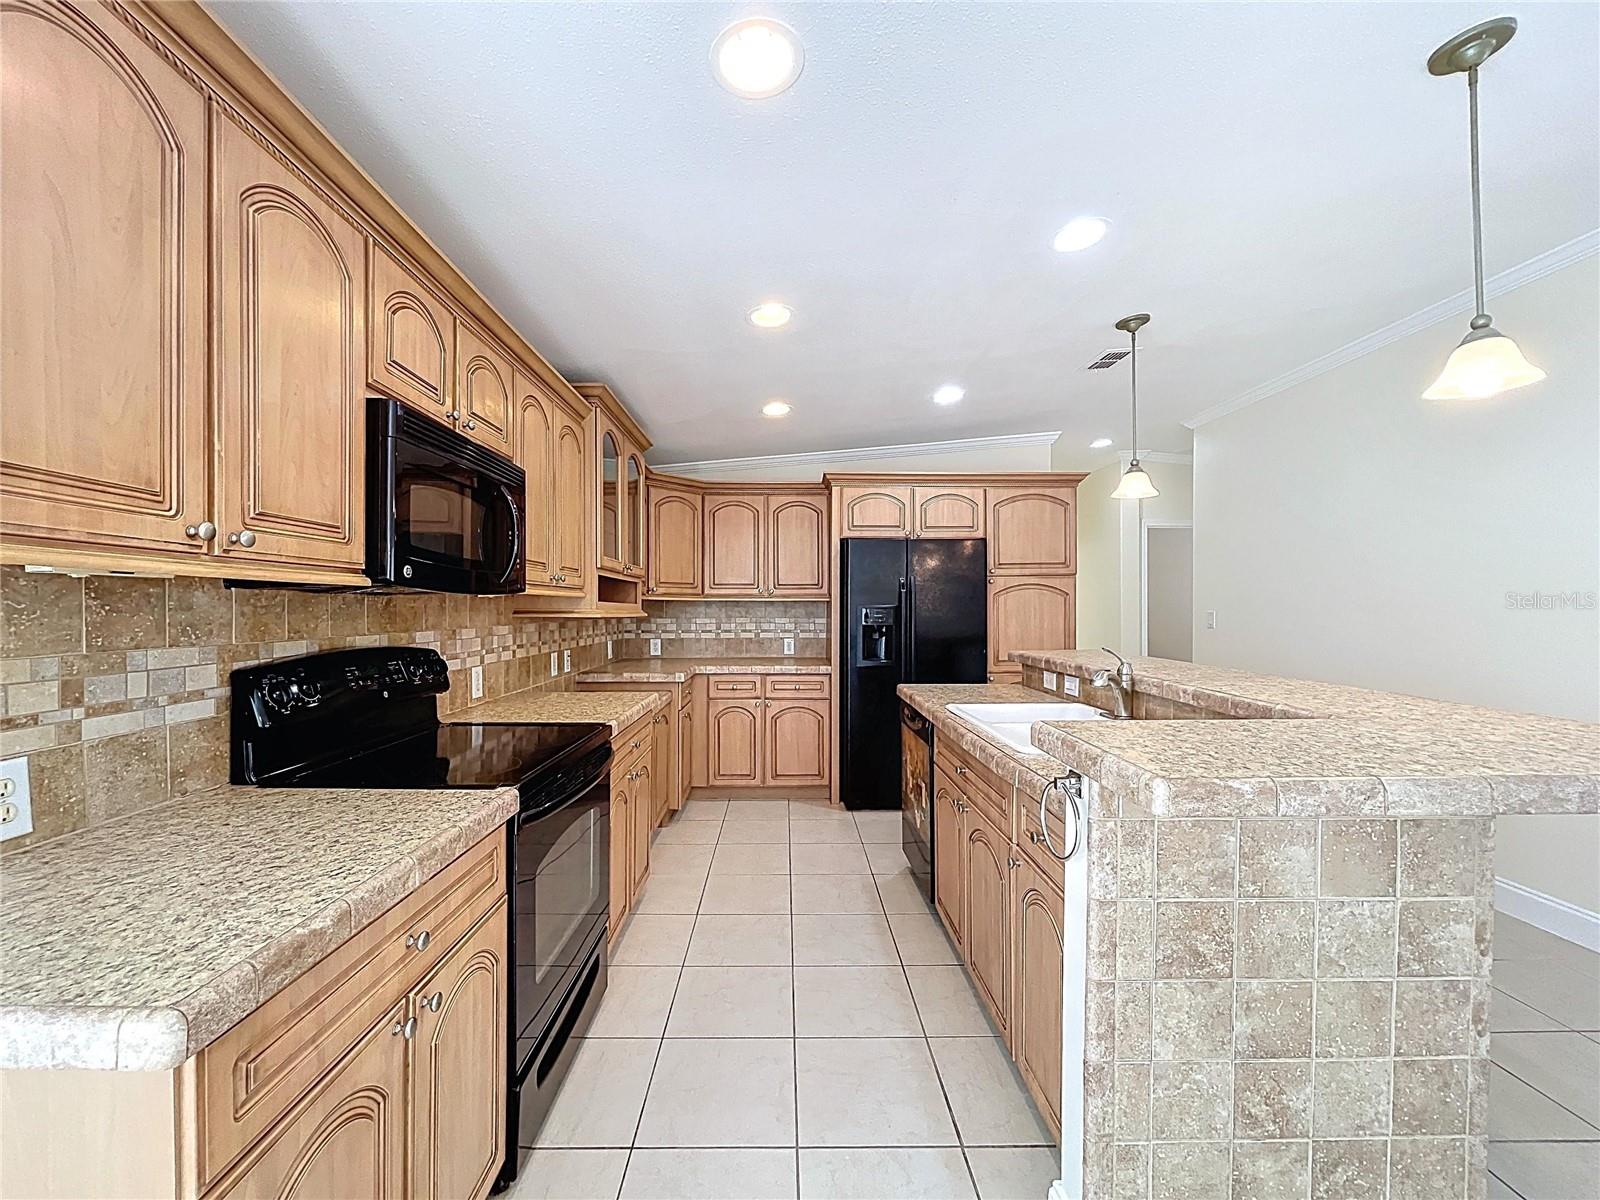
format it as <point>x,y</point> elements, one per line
<point>1059,1192</point>
<point>1548,913</point>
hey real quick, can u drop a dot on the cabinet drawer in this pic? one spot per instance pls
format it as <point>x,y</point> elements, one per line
<point>813,687</point>
<point>251,1075</point>
<point>733,685</point>
<point>628,743</point>
<point>976,784</point>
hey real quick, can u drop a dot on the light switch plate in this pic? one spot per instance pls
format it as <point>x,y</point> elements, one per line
<point>788,645</point>
<point>1211,618</point>
<point>477,683</point>
<point>1049,681</point>
<point>555,668</point>
<point>655,647</point>
<point>16,799</point>
<point>1069,685</point>
<point>608,649</point>
<point>566,661</point>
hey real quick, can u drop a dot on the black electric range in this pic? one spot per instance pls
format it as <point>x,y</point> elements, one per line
<point>367,718</point>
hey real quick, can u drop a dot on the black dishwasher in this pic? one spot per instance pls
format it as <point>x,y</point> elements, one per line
<point>916,795</point>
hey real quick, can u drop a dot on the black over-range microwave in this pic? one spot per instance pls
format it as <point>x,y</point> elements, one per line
<point>443,513</point>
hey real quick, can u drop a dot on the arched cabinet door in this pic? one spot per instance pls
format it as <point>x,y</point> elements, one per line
<point>103,293</point>
<point>734,741</point>
<point>947,512</point>
<point>1030,614</point>
<point>674,550</point>
<point>348,1141</point>
<point>949,844</point>
<point>797,742</point>
<point>1036,922</point>
<point>484,390</point>
<point>574,497</point>
<point>411,332</point>
<point>536,442</point>
<point>986,858</point>
<point>874,512</point>
<point>797,546</point>
<point>733,540</point>
<point>1032,530</point>
<point>637,521</point>
<point>458,1073</point>
<point>291,335</point>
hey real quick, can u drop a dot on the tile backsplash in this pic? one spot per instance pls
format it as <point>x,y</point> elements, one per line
<point>116,689</point>
<point>731,628</point>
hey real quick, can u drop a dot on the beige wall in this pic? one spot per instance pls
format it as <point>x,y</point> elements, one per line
<point>1348,530</point>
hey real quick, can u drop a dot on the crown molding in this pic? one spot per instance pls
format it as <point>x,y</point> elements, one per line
<point>1537,267</point>
<point>819,457</point>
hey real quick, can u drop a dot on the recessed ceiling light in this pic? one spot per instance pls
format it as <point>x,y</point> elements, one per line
<point>1080,233</point>
<point>757,59</point>
<point>771,315</point>
<point>1099,443</point>
<point>950,393</point>
<point>775,408</point>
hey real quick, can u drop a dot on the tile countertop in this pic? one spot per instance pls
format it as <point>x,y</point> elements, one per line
<point>1028,773</point>
<point>1325,750</point>
<point>134,944</point>
<point>680,670</point>
<point>616,709</point>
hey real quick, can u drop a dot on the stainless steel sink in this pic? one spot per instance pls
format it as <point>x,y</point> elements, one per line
<point>1013,723</point>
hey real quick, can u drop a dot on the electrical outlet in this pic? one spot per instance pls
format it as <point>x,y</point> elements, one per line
<point>566,661</point>
<point>788,645</point>
<point>555,668</point>
<point>608,649</point>
<point>1069,685</point>
<point>655,647</point>
<point>1049,681</point>
<point>16,799</point>
<point>1211,618</point>
<point>477,683</point>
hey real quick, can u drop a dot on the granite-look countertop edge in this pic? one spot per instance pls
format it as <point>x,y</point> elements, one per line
<point>146,975</point>
<point>681,670</point>
<point>533,707</point>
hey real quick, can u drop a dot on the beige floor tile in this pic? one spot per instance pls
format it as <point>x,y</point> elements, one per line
<point>693,861</point>
<point>599,1100</point>
<point>704,810</point>
<point>1564,1066</point>
<point>883,826</point>
<point>828,859</point>
<point>730,1002</point>
<point>885,1173</point>
<point>746,895</point>
<point>757,810</point>
<point>1516,940</point>
<point>1014,1172</point>
<point>947,1004</point>
<point>921,939</point>
<point>1507,1014</point>
<point>824,832</point>
<point>854,1002</point>
<point>721,1092</point>
<point>636,1002</point>
<point>1520,1113</point>
<point>900,892</point>
<point>815,810</point>
<point>886,859</point>
<point>751,860</point>
<point>1498,1190</point>
<point>671,894</point>
<point>570,1175</point>
<point>740,942</point>
<point>870,1091</point>
<point>1568,997</point>
<point>820,895</point>
<point>650,940</point>
<point>754,832</point>
<point>1547,1170</point>
<point>687,833</point>
<point>988,1098</point>
<point>710,1175</point>
<point>843,941</point>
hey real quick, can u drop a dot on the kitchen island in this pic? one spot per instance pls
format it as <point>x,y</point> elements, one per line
<point>1287,928</point>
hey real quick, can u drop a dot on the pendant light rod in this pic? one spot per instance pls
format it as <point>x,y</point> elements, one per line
<point>1477,200</point>
<point>1131,326</point>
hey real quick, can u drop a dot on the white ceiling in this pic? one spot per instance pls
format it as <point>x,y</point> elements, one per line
<point>1283,178</point>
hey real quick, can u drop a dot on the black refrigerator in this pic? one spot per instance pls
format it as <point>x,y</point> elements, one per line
<point>913,612</point>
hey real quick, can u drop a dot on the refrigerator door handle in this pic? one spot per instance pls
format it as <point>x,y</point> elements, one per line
<point>908,619</point>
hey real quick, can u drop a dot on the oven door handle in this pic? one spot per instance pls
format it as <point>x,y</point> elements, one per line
<point>589,774</point>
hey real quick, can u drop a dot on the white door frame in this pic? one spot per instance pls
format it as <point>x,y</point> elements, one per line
<point>1144,575</point>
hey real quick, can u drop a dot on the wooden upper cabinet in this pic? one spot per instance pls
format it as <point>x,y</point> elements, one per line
<point>291,338</point>
<point>1036,951</point>
<point>797,545</point>
<point>457,1096</point>
<point>536,449</point>
<point>874,512</point>
<point>947,512</point>
<point>103,295</point>
<point>411,336</point>
<point>734,535</point>
<point>613,514</point>
<point>574,498</point>
<point>797,748</point>
<point>674,543</point>
<point>634,533</point>
<point>1033,530</point>
<point>1030,614</point>
<point>484,389</point>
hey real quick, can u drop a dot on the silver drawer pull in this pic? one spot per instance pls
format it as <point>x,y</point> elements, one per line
<point>406,1029</point>
<point>433,1002</point>
<point>419,941</point>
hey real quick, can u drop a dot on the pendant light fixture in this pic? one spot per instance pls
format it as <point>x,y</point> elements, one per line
<point>1486,362</point>
<point>1135,483</point>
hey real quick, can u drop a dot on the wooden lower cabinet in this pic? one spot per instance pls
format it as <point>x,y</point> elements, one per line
<point>949,836</point>
<point>733,734</point>
<point>621,841</point>
<point>644,821</point>
<point>776,740</point>
<point>633,817</point>
<point>796,745</point>
<point>1036,938</point>
<point>986,911</point>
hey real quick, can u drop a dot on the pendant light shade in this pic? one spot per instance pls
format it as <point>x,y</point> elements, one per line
<point>1135,483</point>
<point>1486,362</point>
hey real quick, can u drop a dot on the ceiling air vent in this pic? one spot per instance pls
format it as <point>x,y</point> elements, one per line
<point>1109,359</point>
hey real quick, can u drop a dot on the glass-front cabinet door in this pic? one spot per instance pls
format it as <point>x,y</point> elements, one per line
<point>611,509</point>
<point>636,515</point>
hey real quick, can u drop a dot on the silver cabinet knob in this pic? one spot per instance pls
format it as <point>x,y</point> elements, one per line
<point>204,531</point>
<point>433,1002</point>
<point>452,416</point>
<point>419,941</point>
<point>243,538</point>
<point>406,1029</point>
<point>471,424</point>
